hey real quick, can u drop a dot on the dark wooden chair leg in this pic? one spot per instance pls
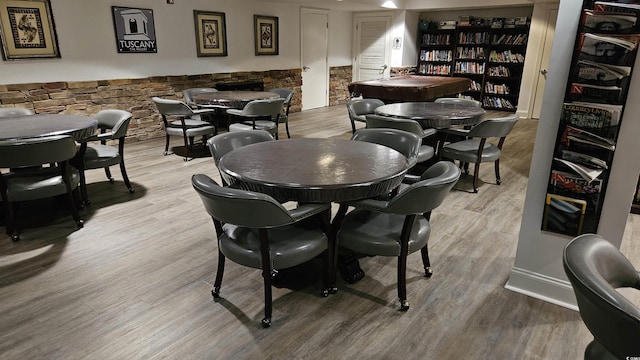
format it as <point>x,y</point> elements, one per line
<point>218,282</point>
<point>425,261</point>
<point>497,166</point>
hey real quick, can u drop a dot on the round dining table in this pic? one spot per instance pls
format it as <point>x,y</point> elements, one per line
<point>232,99</point>
<point>29,126</point>
<point>434,115</point>
<point>315,170</point>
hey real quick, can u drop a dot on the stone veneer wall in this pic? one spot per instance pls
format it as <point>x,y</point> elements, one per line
<point>134,95</point>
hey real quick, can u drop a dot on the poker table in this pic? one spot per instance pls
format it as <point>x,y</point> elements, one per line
<point>410,88</point>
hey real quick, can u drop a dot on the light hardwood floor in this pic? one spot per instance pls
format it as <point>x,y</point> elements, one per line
<point>135,282</point>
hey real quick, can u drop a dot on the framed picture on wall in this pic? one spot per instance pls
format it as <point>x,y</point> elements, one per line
<point>266,34</point>
<point>135,30</point>
<point>27,30</point>
<point>211,33</point>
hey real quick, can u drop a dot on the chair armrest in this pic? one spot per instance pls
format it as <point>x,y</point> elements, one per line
<point>429,132</point>
<point>204,111</point>
<point>306,210</point>
<point>236,112</point>
<point>410,179</point>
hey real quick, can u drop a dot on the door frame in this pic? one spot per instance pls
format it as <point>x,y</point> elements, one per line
<point>357,17</point>
<point>326,12</point>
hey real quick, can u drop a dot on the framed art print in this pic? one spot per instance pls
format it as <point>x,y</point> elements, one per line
<point>211,33</point>
<point>135,30</point>
<point>266,34</point>
<point>27,30</point>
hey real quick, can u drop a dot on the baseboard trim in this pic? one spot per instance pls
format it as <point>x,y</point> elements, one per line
<point>543,287</point>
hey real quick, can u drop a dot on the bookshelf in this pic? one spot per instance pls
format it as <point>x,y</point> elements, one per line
<point>491,57</point>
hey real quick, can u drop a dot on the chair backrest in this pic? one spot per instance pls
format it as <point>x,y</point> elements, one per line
<point>265,107</point>
<point>286,94</point>
<point>360,107</point>
<point>36,151</point>
<point>404,142</point>
<point>459,101</point>
<point>189,93</point>
<point>378,121</point>
<point>168,107</point>
<point>114,119</point>
<point>221,144</point>
<point>240,207</point>
<point>496,127</point>
<point>428,193</point>
<point>595,269</point>
<point>9,112</point>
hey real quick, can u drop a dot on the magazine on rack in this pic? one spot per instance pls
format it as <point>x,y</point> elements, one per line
<point>596,93</point>
<point>608,49</point>
<point>565,181</point>
<point>590,72</point>
<point>610,7</point>
<point>584,159</point>
<point>600,120</point>
<point>586,172</point>
<point>585,137</point>
<point>563,214</point>
<point>607,23</point>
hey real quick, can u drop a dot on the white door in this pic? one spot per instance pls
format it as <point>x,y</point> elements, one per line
<point>544,65</point>
<point>373,47</point>
<point>315,48</point>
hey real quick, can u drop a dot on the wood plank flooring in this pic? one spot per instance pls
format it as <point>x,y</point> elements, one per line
<point>135,282</point>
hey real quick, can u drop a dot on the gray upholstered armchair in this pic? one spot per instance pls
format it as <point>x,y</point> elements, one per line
<point>399,226</point>
<point>358,108</point>
<point>256,231</point>
<point>221,144</point>
<point>58,177</point>
<point>113,125</point>
<point>475,148</point>
<point>258,115</point>
<point>595,269</point>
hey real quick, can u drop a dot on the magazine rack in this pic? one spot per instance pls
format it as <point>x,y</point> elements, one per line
<point>604,54</point>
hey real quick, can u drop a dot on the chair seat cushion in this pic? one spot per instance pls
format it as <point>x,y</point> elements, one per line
<point>189,123</point>
<point>99,156</point>
<point>289,245</point>
<point>375,233</point>
<point>267,125</point>
<point>38,184</point>
<point>467,151</point>
<point>199,131</point>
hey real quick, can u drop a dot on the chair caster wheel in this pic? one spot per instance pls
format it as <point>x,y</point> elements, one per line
<point>165,153</point>
<point>131,190</point>
<point>499,182</point>
<point>15,237</point>
<point>80,224</point>
<point>428,272</point>
<point>266,322</point>
<point>324,292</point>
<point>112,180</point>
<point>333,290</point>
<point>404,305</point>
<point>475,190</point>
<point>216,294</point>
<point>86,203</point>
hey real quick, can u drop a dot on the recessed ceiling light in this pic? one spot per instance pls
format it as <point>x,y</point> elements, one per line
<point>389,5</point>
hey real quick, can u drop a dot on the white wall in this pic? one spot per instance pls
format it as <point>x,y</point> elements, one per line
<point>87,42</point>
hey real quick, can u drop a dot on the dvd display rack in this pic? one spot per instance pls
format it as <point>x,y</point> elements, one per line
<point>488,52</point>
<point>605,51</point>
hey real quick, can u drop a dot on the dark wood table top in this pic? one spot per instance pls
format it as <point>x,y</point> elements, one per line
<point>434,115</point>
<point>233,99</point>
<point>315,170</point>
<point>28,126</point>
<point>410,87</point>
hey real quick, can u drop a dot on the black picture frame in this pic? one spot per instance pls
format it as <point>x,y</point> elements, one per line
<point>211,33</point>
<point>27,30</point>
<point>134,29</point>
<point>266,35</point>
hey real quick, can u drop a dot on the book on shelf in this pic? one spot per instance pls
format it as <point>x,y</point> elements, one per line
<point>599,119</point>
<point>573,183</point>
<point>585,137</point>
<point>608,49</point>
<point>563,214</point>
<point>590,72</point>
<point>447,24</point>
<point>607,23</point>
<point>595,93</point>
